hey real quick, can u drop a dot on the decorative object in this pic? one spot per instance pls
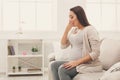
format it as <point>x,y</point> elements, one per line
<point>19,68</point>
<point>13,68</point>
<point>34,50</point>
<point>24,53</point>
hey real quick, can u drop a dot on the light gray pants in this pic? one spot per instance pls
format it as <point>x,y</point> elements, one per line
<point>59,72</point>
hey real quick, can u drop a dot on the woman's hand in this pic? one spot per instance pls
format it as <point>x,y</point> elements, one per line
<point>70,24</point>
<point>64,39</point>
<point>75,63</point>
<point>70,64</point>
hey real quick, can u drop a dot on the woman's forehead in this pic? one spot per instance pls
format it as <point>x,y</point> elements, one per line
<point>71,13</point>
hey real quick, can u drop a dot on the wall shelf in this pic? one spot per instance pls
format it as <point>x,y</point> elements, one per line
<point>21,60</point>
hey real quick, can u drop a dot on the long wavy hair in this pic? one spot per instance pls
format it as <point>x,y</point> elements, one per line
<point>81,16</point>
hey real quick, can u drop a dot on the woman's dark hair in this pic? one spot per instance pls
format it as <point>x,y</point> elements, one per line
<point>80,13</point>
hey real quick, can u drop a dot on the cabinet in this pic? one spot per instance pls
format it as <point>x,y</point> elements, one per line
<point>25,57</point>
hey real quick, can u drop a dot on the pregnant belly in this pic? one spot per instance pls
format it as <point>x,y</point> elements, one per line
<point>75,54</point>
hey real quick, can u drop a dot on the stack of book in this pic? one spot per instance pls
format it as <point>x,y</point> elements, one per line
<point>33,69</point>
<point>11,50</point>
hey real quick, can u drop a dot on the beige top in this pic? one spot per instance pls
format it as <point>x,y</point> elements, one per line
<point>75,38</point>
<point>91,45</point>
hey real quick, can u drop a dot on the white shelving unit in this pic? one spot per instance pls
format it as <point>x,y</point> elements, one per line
<point>23,59</point>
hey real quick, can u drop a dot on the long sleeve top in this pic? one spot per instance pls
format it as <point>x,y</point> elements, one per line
<point>91,45</point>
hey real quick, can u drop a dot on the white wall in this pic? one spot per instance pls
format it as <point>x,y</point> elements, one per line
<point>62,20</point>
<point>3,55</point>
<point>110,35</point>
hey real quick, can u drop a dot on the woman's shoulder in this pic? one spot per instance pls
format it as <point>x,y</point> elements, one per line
<point>89,27</point>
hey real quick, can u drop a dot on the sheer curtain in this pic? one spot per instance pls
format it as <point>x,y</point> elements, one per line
<point>104,14</point>
<point>28,15</point>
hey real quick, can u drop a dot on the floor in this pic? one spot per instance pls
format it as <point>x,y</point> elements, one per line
<point>35,77</point>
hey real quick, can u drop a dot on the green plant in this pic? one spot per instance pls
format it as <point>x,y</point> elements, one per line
<point>34,49</point>
<point>13,68</point>
<point>19,68</point>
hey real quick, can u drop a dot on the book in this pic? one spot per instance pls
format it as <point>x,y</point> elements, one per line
<point>33,69</point>
<point>11,50</point>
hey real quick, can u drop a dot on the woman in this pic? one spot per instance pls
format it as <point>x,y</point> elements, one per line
<point>85,44</point>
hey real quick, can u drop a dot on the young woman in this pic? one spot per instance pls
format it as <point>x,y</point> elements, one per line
<point>85,43</point>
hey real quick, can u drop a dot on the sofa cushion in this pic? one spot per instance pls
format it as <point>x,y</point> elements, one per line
<point>109,52</point>
<point>88,76</point>
<point>113,73</point>
<point>112,76</point>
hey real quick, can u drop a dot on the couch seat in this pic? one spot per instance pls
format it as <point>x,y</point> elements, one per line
<point>88,76</point>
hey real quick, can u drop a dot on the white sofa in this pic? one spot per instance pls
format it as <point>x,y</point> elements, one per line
<point>109,55</point>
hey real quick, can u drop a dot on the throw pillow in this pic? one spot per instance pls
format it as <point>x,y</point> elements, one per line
<point>113,73</point>
<point>109,52</point>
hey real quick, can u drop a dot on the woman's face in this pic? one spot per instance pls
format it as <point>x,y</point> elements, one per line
<point>73,19</point>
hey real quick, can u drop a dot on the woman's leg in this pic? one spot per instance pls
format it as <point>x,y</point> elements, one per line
<point>54,66</point>
<point>65,74</point>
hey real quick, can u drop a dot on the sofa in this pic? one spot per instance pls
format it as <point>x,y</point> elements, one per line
<point>109,55</point>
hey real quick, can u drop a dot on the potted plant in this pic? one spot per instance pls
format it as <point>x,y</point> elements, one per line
<point>34,50</point>
<point>13,68</point>
<point>19,68</point>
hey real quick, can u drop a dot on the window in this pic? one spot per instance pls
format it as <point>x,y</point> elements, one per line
<point>28,15</point>
<point>104,14</point>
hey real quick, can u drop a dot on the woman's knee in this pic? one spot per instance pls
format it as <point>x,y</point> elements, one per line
<point>52,65</point>
<point>62,70</point>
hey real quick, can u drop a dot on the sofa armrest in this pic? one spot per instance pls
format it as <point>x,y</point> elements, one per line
<point>51,57</point>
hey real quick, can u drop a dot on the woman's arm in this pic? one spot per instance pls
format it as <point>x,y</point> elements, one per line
<point>75,63</point>
<point>84,60</point>
<point>64,40</point>
<point>94,41</point>
<point>95,47</point>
